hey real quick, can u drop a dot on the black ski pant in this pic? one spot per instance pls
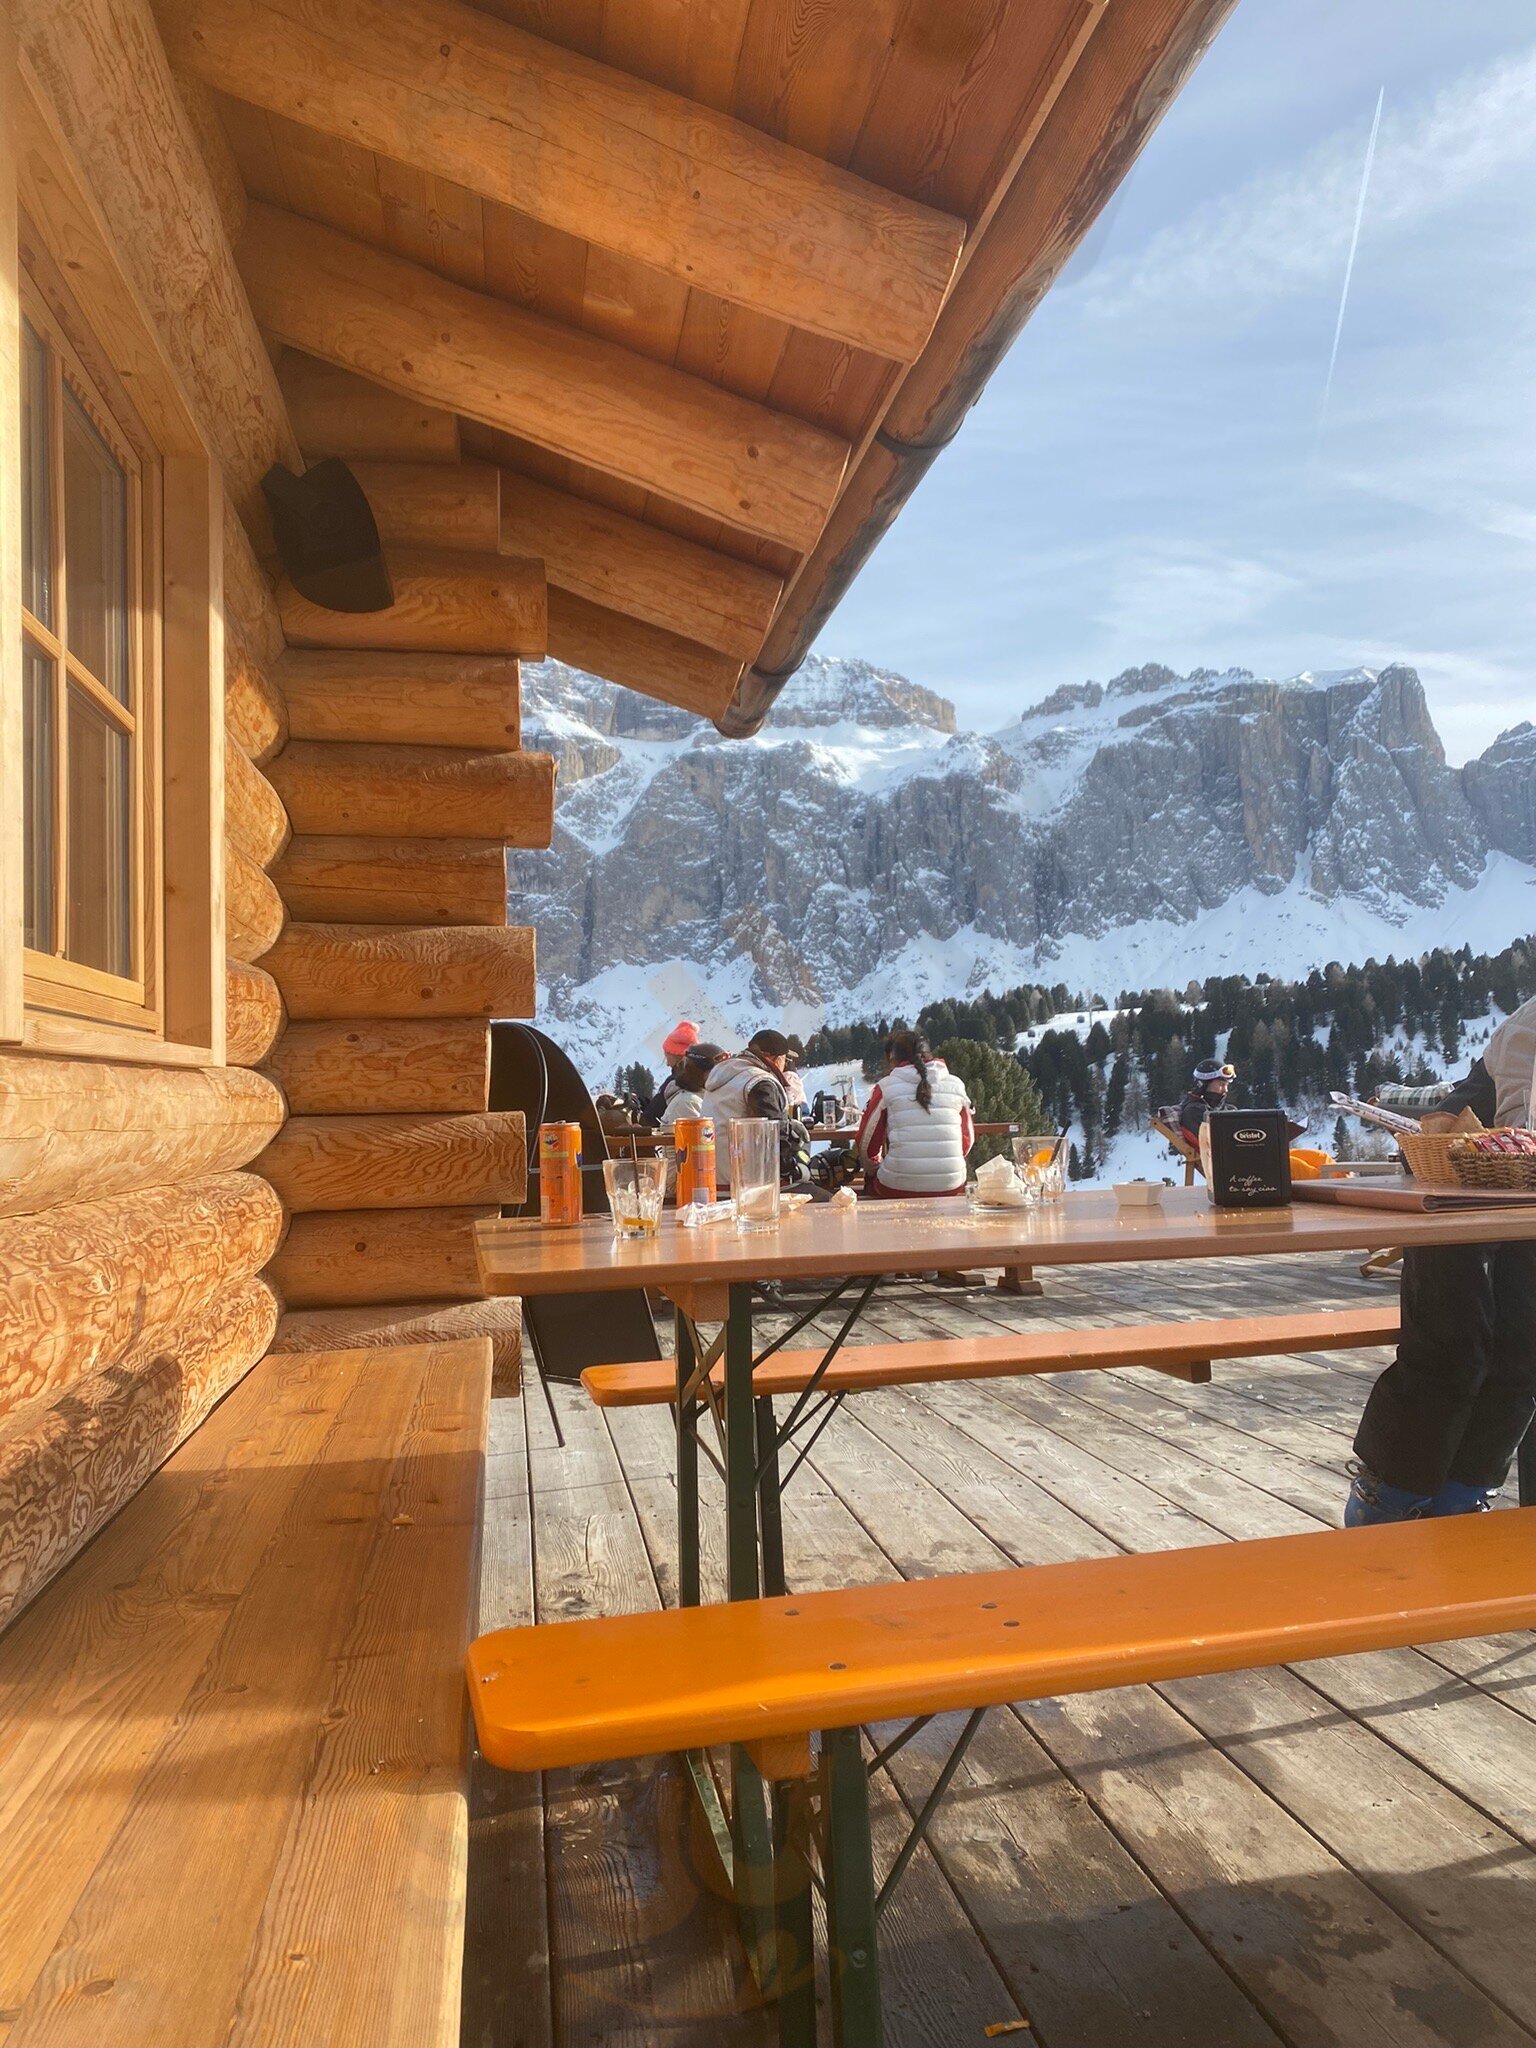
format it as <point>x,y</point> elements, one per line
<point>1461,1392</point>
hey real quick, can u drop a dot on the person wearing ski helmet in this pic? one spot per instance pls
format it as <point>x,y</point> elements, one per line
<point>1207,1091</point>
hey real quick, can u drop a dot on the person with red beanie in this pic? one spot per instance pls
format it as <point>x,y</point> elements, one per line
<point>675,1048</point>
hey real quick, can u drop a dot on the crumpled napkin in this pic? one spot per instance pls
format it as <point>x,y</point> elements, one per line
<point>998,1185</point>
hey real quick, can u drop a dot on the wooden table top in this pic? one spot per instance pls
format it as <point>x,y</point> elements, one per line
<point>1087,1228</point>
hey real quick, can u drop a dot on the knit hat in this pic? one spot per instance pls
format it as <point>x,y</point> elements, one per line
<point>1214,1070</point>
<point>679,1039</point>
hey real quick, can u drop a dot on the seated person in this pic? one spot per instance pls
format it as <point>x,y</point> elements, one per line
<point>675,1048</point>
<point>918,1126</point>
<point>1207,1091</point>
<point>692,1078</point>
<point>1446,1417</point>
<point>616,1114</point>
<point>751,1083</point>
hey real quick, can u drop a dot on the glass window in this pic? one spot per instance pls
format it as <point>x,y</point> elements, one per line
<point>100,853</point>
<point>95,551</point>
<point>85,802</point>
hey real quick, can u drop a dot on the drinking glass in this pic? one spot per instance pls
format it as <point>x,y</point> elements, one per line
<point>754,1147</point>
<point>1043,1176</point>
<point>635,1191</point>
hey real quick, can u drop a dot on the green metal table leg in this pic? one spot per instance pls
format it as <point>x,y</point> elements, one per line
<point>770,1514</point>
<point>751,1833</point>
<point>740,1450</point>
<point>795,1963</point>
<point>687,1468</point>
<point>848,1868</point>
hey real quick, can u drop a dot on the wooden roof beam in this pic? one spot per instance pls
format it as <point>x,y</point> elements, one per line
<point>335,412</point>
<point>405,327</point>
<point>457,93</point>
<point>595,553</point>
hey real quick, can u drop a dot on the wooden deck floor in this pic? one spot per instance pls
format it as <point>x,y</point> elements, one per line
<point>1342,1853</point>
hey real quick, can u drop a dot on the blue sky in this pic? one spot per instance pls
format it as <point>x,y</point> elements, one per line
<point>1149,475</point>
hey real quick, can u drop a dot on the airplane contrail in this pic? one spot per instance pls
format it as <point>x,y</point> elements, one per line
<point>1349,269</point>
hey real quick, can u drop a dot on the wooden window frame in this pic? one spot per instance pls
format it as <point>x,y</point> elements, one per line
<point>53,982</point>
<point>52,233</point>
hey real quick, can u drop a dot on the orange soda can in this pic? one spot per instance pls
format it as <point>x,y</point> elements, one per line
<point>694,1137</point>
<point>560,1173</point>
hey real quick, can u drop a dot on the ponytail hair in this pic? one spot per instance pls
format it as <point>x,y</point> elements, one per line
<point>911,1049</point>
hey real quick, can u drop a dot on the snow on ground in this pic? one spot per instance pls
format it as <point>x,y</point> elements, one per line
<point>623,1013</point>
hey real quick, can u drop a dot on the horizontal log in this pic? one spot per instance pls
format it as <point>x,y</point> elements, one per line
<point>437,505</point>
<point>640,657</point>
<point>397,1162</point>
<point>253,910</point>
<point>336,412</point>
<point>69,1461</point>
<point>592,151</point>
<point>428,700</point>
<point>360,970</point>
<point>416,1322</point>
<point>330,1069</point>
<point>253,709</point>
<point>394,881</point>
<point>253,1013</point>
<point>408,328</point>
<point>80,1283</point>
<point>372,1255</point>
<point>445,601</point>
<point>630,567</point>
<point>254,818</point>
<point>75,1128</point>
<point>373,792</point>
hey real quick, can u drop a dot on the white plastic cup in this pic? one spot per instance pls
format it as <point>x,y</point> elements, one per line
<point>754,1148</point>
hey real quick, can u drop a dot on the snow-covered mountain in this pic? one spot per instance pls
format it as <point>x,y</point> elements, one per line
<point>862,855</point>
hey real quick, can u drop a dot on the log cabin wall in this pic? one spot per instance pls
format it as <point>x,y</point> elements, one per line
<point>133,1237</point>
<point>404,781</point>
<point>369,785</point>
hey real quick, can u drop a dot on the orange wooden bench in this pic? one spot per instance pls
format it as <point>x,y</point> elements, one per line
<point>1183,1350</point>
<point>766,1674</point>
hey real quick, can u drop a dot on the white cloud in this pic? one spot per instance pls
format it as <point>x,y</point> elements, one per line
<point>1288,231</point>
<point>1166,595</point>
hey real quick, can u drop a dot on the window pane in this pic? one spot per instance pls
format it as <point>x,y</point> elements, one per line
<point>100,865</point>
<point>36,479</point>
<point>38,749</point>
<point>95,551</point>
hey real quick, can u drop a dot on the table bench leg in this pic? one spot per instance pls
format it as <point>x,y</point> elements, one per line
<point>849,1874</point>
<point>1019,1280</point>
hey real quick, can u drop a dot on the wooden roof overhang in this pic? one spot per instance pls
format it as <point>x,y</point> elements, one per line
<point>705,287</point>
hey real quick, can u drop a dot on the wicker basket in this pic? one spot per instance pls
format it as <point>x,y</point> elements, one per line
<point>1509,1172</point>
<point>1428,1156</point>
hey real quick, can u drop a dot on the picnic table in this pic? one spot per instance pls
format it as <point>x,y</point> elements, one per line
<point>762,1830</point>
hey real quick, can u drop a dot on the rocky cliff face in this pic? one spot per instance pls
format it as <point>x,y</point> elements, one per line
<point>861,846</point>
<point>1501,788</point>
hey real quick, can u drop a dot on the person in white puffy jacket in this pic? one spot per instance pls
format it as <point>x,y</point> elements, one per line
<point>918,1125</point>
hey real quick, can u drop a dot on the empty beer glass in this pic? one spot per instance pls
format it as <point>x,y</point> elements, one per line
<point>635,1190</point>
<point>754,1146</point>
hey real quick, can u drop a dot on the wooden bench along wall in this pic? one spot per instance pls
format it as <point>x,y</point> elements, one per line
<point>232,1753</point>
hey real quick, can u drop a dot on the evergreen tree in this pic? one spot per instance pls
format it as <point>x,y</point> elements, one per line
<point>1114,1094</point>
<point>1000,1091</point>
<point>636,1080</point>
